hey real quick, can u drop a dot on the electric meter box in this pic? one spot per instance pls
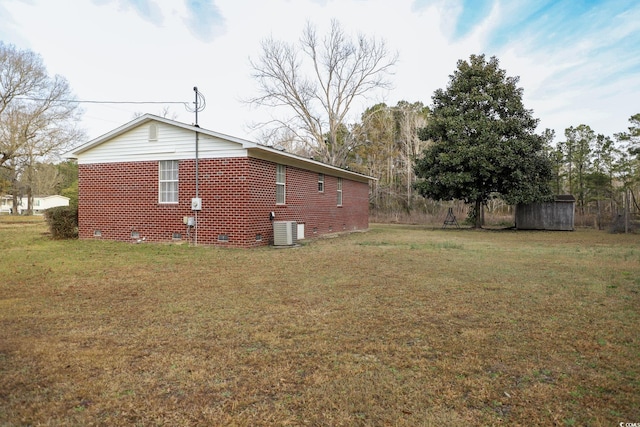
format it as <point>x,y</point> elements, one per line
<point>196,204</point>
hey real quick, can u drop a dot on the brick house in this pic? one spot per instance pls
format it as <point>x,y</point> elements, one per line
<point>138,182</point>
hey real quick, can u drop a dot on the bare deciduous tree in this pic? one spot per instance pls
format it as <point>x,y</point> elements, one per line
<point>388,145</point>
<point>38,116</point>
<point>410,118</point>
<point>317,82</point>
<point>164,112</point>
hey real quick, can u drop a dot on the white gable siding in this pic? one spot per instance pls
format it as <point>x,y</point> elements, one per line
<point>173,143</point>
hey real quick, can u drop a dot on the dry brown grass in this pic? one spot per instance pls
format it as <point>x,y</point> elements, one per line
<point>398,326</point>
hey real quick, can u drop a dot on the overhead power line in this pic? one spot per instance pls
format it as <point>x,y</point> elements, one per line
<point>103,102</point>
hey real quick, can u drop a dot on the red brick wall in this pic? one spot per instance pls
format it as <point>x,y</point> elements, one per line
<point>304,203</point>
<point>237,196</point>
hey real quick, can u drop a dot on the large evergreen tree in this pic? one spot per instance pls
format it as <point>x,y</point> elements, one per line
<point>579,148</point>
<point>632,137</point>
<point>484,141</point>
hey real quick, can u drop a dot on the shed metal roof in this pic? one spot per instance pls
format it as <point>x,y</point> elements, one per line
<point>565,198</point>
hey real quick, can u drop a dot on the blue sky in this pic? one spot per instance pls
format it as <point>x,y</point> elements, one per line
<point>578,61</point>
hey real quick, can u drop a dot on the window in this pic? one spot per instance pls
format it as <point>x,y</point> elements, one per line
<point>321,182</point>
<point>281,178</point>
<point>339,191</point>
<point>168,183</point>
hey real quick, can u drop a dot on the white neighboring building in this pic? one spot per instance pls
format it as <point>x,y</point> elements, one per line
<point>40,204</point>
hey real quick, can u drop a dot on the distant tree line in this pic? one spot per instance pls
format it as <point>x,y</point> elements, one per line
<point>603,173</point>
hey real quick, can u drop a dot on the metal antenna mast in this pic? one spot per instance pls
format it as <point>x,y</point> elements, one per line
<point>199,104</point>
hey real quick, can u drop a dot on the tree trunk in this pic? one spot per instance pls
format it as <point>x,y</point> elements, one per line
<point>14,208</point>
<point>408,185</point>
<point>14,194</point>
<point>626,211</point>
<point>29,201</point>
<point>478,214</point>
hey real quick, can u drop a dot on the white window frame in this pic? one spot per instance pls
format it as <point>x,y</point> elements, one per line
<point>320,183</point>
<point>281,184</point>
<point>339,192</point>
<point>168,182</point>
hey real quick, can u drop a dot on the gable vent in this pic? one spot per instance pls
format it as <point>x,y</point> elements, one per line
<point>153,132</point>
<point>285,233</point>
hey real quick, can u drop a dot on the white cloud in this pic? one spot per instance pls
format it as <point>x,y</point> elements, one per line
<point>204,20</point>
<point>146,9</point>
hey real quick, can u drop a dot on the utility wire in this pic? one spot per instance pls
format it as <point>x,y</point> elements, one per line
<point>103,102</point>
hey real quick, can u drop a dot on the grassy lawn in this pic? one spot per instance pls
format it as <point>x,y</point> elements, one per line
<point>398,326</point>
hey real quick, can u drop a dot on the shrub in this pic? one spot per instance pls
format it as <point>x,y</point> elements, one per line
<point>63,222</point>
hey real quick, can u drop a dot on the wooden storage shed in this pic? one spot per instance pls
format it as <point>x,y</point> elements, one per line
<point>556,215</point>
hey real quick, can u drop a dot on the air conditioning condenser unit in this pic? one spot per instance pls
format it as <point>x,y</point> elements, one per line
<point>285,233</point>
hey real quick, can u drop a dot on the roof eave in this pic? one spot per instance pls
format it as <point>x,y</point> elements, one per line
<point>253,148</point>
<point>273,154</point>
